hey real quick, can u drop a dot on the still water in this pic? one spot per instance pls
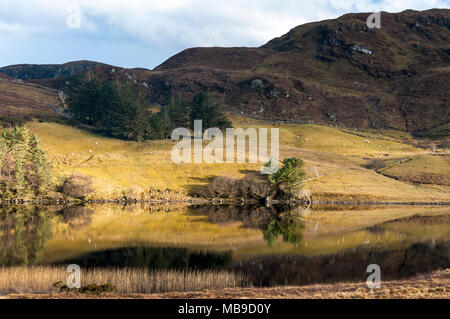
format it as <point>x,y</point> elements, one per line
<point>271,245</point>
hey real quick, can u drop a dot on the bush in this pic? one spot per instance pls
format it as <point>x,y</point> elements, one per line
<point>11,120</point>
<point>252,186</point>
<point>77,186</point>
<point>221,186</point>
<point>376,164</point>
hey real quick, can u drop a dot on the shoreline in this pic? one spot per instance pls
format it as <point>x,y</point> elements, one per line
<point>223,202</point>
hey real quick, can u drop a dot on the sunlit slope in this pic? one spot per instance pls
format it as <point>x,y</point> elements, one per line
<point>335,160</point>
<point>118,166</point>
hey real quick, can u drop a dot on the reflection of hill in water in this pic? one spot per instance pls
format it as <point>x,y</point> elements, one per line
<point>422,220</point>
<point>348,265</point>
<point>153,257</point>
<point>411,222</point>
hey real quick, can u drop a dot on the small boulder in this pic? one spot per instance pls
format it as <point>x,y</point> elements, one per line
<point>256,84</point>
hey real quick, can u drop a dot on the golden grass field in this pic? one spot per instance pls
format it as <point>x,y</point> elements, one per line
<point>336,163</point>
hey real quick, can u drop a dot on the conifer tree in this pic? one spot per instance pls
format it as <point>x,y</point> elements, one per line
<point>83,93</point>
<point>177,112</point>
<point>210,112</point>
<point>287,181</point>
<point>24,167</point>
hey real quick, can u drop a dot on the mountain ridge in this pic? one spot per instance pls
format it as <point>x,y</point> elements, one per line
<point>335,71</point>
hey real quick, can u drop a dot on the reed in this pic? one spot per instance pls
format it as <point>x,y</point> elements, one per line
<point>40,279</point>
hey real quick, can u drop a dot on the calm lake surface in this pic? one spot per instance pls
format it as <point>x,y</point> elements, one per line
<point>271,245</point>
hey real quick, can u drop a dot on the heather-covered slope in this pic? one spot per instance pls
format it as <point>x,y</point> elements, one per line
<point>21,101</point>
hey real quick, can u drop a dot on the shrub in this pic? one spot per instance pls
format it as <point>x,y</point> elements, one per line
<point>77,186</point>
<point>376,164</point>
<point>97,289</point>
<point>11,120</point>
<point>252,186</point>
<point>220,186</point>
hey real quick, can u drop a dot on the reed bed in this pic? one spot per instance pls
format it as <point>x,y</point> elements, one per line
<point>40,279</point>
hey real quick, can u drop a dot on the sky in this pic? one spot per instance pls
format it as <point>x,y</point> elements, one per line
<point>144,33</point>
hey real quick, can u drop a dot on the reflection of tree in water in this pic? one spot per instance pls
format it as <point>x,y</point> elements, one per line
<point>77,216</point>
<point>23,233</point>
<point>286,224</point>
<point>274,221</point>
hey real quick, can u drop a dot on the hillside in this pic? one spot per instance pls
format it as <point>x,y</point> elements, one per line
<point>336,159</point>
<point>336,167</point>
<point>333,71</point>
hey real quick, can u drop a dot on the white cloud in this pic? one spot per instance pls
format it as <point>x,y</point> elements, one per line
<point>13,28</point>
<point>171,25</point>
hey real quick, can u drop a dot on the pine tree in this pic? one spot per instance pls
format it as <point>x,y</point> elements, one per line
<point>177,112</point>
<point>287,181</point>
<point>38,172</point>
<point>119,110</point>
<point>206,109</point>
<point>123,112</point>
<point>83,93</point>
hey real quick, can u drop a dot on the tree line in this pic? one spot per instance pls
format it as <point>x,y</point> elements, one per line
<point>119,110</point>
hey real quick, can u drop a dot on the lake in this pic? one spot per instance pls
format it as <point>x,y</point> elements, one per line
<point>271,245</point>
